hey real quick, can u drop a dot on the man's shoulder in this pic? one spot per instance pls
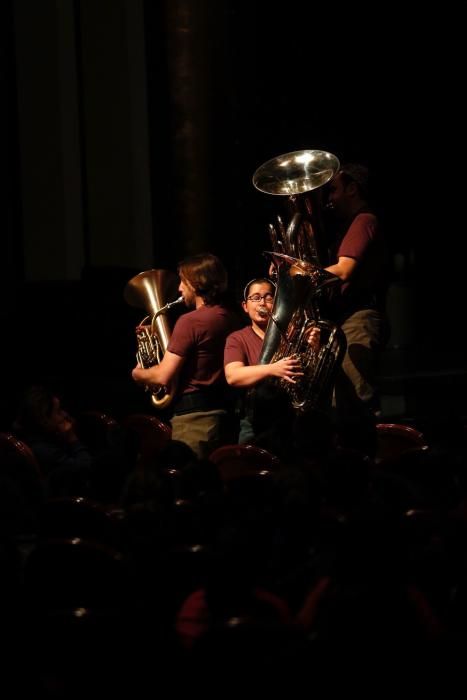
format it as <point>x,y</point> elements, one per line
<point>365,223</point>
<point>217,315</point>
<point>366,216</point>
<point>240,334</point>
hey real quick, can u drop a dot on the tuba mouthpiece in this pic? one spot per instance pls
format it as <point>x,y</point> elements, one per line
<point>168,306</point>
<point>177,301</point>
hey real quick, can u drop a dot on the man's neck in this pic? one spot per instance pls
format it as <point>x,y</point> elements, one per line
<point>258,330</point>
<point>356,207</point>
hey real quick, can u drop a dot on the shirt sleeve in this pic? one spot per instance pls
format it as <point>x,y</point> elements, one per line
<point>183,336</point>
<point>234,350</point>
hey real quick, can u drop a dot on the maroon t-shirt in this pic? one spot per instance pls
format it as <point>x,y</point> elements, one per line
<point>199,336</point>
<point>364,242</point>
<point>243,346</point>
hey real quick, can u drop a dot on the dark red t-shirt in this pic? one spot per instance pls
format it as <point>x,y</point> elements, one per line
<point>365,243</point>
<point>199,336</point>
<point>243,346</point>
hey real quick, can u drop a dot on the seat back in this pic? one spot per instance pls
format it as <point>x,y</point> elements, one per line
<point>14,450</point>
<point>234,461</point>
<point>73,573</point>
<point>75,516</point>
<point>150,434</point>
<point>97,429</point>
<point>394,439</point>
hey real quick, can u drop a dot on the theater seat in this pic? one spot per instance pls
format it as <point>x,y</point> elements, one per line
<point>98,430</point>
<point>394,439</point>
<point>76,516</point>
<point>21,486</point>
<point>235,461</point>
<point>150,434</point>
<point>13,450</point>
<point>74,573</point>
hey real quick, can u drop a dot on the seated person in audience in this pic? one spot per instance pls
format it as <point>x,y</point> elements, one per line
<point>233,593</point>
<point>50,432</point>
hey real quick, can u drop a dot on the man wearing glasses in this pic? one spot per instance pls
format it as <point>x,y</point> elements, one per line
<point>243,348</point>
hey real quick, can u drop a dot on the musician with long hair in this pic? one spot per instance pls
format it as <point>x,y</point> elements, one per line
<point>193,363</point>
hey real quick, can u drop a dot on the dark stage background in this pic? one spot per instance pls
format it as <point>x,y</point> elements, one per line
<point>132,130</point>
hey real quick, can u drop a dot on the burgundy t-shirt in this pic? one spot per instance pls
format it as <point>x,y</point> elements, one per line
<point>364,242</point>
<point>243,346</point>
<point>199,336</point>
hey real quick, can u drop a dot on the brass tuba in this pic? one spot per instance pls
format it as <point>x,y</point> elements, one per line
<point>299,255</point>
<point>149,290</point>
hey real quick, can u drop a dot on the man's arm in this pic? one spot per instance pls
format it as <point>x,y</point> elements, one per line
<point>162,374</point>
<point>241,375</point>
<point>238,374</point>
<point>344,268</point>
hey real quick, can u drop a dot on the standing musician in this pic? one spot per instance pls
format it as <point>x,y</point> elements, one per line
<point>359,259</point>
<point>193,362</point>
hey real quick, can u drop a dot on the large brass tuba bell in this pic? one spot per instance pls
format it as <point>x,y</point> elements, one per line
<point>149,290</point>
<point>296,172</point>
<point>299,256</point>
<point>299,176</point>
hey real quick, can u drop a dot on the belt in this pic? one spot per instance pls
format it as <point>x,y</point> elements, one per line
<point>196,401</point>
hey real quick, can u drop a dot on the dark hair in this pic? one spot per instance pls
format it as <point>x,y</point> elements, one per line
<point>206,274</point>
<point>35,408</point>
<point>257,280</point>
<point>357,173</point>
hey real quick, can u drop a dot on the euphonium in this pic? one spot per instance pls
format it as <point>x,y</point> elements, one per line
<point>298,256</point>
<point>148,290</point>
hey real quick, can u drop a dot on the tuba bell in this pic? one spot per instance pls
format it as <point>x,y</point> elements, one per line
<point>299,255</point>
<point>149,290</point>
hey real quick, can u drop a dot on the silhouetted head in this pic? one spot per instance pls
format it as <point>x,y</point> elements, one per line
<point>39,410</point>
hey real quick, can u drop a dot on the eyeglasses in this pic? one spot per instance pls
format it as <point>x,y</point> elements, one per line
<point>268,297</point>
